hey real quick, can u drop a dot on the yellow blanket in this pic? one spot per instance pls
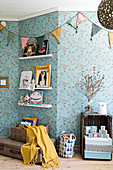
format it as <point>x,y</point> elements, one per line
<point>37,135</point>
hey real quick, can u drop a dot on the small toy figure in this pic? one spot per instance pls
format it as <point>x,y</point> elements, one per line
<point>21,99</point>
<point>26,99</point>
<point>32,85</point>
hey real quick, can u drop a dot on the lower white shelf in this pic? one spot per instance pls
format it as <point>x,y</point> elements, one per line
<point>43,105</point>
<point>36,88</point>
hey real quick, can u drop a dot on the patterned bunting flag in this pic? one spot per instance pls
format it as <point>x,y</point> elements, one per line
<point>24,41</point>
<point>56,33</point>
<point>95,29</point>
<point>1,27</point>
<point>72,22</point>
<point>80,18</point>
<point>10,36</point>
<point>40,40</point>
<point>110,38</point>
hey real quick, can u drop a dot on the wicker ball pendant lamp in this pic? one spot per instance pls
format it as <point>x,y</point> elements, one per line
<point>105,13</point>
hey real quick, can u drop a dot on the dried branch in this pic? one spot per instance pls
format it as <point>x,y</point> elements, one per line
<point>91,84</point>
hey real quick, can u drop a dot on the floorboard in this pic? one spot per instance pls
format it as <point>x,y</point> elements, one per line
<point>76,163</point>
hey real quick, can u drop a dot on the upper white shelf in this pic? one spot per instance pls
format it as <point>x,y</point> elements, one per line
<point>38,56</point>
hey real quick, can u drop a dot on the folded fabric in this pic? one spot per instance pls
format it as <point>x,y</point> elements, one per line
<point>37,138</point>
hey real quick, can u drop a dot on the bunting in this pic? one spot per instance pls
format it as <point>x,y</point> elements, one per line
<point>72,22</point>
<point>24,41</point>
<point>95,30</point>
<point>110,38</point>
<point>80,18</point>
<point>1,27</point>
<point>56,33</point>
<point>10,36</point>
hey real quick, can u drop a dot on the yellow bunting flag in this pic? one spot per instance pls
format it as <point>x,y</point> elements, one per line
<point>1,27</point>
<point>110,38</point>
<point>56,33</point>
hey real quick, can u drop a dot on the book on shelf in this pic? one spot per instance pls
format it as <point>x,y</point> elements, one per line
<point>42,46</point>
<point>36,98</point>
<point>43,76</point>
<point>30,50</point>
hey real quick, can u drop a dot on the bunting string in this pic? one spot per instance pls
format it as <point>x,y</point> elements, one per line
<point>73,21</point>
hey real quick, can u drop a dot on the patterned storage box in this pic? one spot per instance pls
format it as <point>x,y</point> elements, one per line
<point>66,147</point>
<point>104,148</point>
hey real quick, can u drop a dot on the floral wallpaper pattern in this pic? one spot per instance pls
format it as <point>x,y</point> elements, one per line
<point>78,55</point>
<point>9,66</point>
<point>75,55</point>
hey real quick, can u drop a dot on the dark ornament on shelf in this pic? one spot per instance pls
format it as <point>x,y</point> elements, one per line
<point>105,13</point>
<point>88,109</point>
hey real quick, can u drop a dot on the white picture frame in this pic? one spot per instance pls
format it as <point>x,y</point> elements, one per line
<point>25,79</point>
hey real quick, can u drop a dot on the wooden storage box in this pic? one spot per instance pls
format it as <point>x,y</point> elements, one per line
<point>19,134</point>
<point>12,148</point>
<point>94,119</point>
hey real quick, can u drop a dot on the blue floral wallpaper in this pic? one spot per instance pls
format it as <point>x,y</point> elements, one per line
<point>78,55</point>
<point>75,55</point>
<point>9,67</point>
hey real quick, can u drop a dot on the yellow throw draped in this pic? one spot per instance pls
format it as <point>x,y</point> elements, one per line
<point>110,38</point>
<point>37,138</point>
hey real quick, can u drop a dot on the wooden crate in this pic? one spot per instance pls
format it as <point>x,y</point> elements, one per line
<point>19,134</point>
<point>94,119</point>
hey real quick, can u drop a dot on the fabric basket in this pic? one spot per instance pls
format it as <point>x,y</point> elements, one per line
<point>66,147</point>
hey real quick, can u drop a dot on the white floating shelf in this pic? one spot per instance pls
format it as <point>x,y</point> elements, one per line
<point>36,88</point>
<point>23,88</point>
<point>43,105</point>
<point>38,56</point>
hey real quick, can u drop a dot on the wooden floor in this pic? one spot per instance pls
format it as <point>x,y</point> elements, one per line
<point>76,163</point>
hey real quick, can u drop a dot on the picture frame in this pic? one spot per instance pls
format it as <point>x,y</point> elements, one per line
<point>36,98</point>
<point>4,82</point>
<point>25,79</point>
<point>42,76</point>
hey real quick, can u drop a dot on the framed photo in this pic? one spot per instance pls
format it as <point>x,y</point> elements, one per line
<point>25,79</point>
<point>42,76</point>
<point>36,98</point>
<point>4,82</point>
